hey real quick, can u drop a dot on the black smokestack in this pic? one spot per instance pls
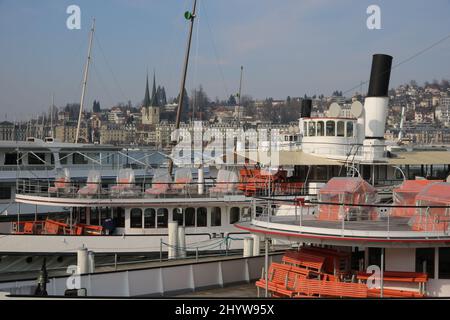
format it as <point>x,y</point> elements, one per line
<point>379,76</point>
<point>305,110</point>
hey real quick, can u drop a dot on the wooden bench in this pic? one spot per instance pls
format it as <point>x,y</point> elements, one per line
<point>292,268</point>
<point>398,276</point>
<point>394,293</point>
<point>282,279</point>
<point>321,288</point>
<point>308,261</point>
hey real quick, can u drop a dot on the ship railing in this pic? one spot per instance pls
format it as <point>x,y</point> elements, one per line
<point>388,219</point>
<point>31,167</point>
<point>105,190</point>
<point>114,261</point>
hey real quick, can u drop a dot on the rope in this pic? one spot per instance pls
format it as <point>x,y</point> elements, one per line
<point>194,75</point>
<point>215,51</point>
<point>194,247</point>
<point>110,69</point>
<point>403,61</point>
<point>102,83</point>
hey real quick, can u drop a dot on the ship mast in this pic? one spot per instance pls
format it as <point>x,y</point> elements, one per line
<point>239,97</point>
<point>191,17</point>
<point>86,71</point>
<point>51,116</point>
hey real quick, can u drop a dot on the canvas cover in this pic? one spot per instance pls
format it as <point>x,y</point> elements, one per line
<point>350,191</point>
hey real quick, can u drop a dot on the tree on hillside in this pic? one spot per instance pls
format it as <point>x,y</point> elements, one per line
<point>199,102</point>
<point>73,109</point>
<point>185,108</point>
<point>231,101</point>
<point>96,106</point>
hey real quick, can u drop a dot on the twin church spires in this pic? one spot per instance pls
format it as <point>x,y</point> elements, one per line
<point>153,102</point>
<point>151,105</point>
<point>158,97</point>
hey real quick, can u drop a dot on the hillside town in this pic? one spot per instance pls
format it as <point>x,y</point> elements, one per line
<point>425,110</point>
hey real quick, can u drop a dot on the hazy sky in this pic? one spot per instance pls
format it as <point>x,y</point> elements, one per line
<point>287,47</point>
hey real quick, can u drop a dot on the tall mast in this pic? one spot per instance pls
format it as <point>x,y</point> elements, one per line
<point>51,115</point>
<point>239,96</point>
<point>191,17</point>
<point>86,71</point>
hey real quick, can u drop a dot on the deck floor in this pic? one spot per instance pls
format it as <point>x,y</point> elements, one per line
<point>247,290</point>
<point>395,224</point>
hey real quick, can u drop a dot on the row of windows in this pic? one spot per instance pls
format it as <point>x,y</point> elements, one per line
<point>189,217</point>
<point>328,128</point>
<point>152,218</point>
<point>99,215</point>
<point>77,158</point>
<point>38,158</point>
<point>155,218</point>
<point>5,192</point>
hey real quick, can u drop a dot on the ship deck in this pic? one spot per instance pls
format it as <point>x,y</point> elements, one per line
<point>385,231</point>
<point>129,200</point>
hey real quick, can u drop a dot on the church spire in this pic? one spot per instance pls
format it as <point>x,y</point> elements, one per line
<point>147,102</point>
<point>154,101</point>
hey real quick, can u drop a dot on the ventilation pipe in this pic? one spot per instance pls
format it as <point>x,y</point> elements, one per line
<point>181,242</point>
<point>305,111</point>
<point>248,247</point>
<point>172,249</point>
<point>375,107</point>
<point>91,261</point>
<point>376,102</point>
<point>82,260</point>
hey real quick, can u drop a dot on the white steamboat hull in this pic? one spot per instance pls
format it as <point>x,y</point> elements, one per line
<point>148,243</point>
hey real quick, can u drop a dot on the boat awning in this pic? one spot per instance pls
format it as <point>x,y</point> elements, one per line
<point>420,157</point>
<point>290,158</point>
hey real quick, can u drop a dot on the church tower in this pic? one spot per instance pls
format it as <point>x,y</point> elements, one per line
<point>150,108</point>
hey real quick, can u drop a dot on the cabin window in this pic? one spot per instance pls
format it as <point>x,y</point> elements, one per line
<point>162,217</point>
<point>136,218</point>
<point>340,128</point>
<point>104,214</point>
<point>349,129</point>
<point>63,158</point>
<point>246,213</point>
<point>330,129</point>
<point>305,128</point>
<point>119,217</point>
<point>82,215</point>
<point>36,158</point>
<point>375,257</point>
<point>216,219</point>
<point>425,261</point>
<point>312,129</point>
<point>234,215</point>
<point>189,217</point>
<point>11,159</point>
<point>177,215</point>
<point>444,263</point>
<point>94,220</point>
<point>5,192</point>
<point>320,128</point>
<point>201,217</point>
<point>149,218</point>
<point>259,211</point>
<point>79,159</point>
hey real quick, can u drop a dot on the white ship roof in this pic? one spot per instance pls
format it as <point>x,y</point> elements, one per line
<point>291,158</point>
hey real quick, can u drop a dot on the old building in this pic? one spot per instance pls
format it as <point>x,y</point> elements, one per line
<point>67,133</point>
<point>112,133</point>
<point>6,130</point>
<point>150,109</point>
